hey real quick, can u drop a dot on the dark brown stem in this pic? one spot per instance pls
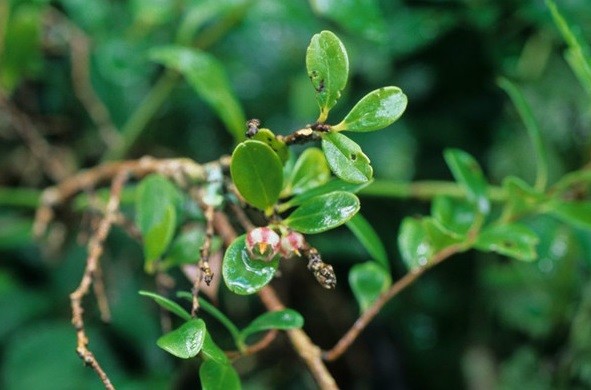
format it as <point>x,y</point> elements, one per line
<point>95,250</point>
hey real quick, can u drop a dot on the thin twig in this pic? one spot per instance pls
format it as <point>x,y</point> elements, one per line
<point>95,250</point>
<point>263,343</point>
<point>205,273</point>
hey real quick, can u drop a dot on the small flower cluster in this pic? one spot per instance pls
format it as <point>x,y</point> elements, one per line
<point>263,243</point>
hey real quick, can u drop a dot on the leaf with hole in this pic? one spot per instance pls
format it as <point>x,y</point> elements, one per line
<point>368,281</point>
<point>345,158</point>
<point>257,173</point>
<point>243,275</point>
<point>370,240</point>
<point>375,111</point>
<point>186,341</point>
<point>468,174</point>
<point>206,75</point>
<point>323,212</point>
<point>514,240</point>
<point>310,170</point>
<point>328,68</point>
<point>218,376</point>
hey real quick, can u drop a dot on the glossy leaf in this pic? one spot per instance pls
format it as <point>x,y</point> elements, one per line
<point>514,240</point>
<point>421,239</point>
<point>310,170</point>
<point>218,376</point>
<point>157,201</point>
<point>257,173</point>
<point>167,304</point>
<point>185,248</point>
<point>455,215</point>
<point>368,281</point>
<point>468,173</point>
<point>211,351</point>
<point>323,213</point>
<point>281,319</point>
<point>207,77</point>
<point>345,158</point>
<point>266,136</point>
<point>242,275</point>
<point>186,341</point>
<point>375,111</point>
<point>370,240</point>
<point>328,68</point>
<point>574,213</point>
<point>331,186</point>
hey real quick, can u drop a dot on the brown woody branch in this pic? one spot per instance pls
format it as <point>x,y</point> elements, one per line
<point>95,250</point>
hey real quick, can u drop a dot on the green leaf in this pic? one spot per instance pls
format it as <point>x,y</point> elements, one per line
<point>533,130</point>
<point>257,173</point>
<point>328,68</point>
<point>242,275</point>
<point>207,77</point>
<point>468,173</point>
<point>421,239</point>
<point>370,240</point>
<point>521,197</point>
<point>323,212</point>
<point>574,213</point>
<point>186,341</point>
<point>266,136</point>
<point>157,201</point>
<point>376,110</point>
<point>455,215</point>
<point>310,170</point>
<point>218,376</point>
<point>167,304</point>
<point>211,351</point>
<point>368,281</point>
<point>185,248</point>
<point>331,186</point>
<point>514,240</point>
<point>281,319</point>
<point>345,158</point>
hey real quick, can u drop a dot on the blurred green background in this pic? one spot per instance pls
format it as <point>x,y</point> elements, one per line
<point>477,321</point>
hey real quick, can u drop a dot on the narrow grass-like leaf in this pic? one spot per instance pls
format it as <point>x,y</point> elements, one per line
<point>207,77</point>
<point>370,240</point>
<point>331,186</point>
<point>533,130</point>
<point>167,304</point>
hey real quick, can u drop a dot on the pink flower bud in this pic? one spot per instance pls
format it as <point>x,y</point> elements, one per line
<point>291,243</point>
<point>262,243</point>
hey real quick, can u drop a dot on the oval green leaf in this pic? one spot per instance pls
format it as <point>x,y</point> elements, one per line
<point>206,75</point>
<point>268,137</point>
<point>218,376</point>
<point>455,215</point>
<point>257,173</point>
<point>376,110</point>
<point>310,170</point>
<point>370,240</point>
<point>211,351</point>
<point>514,240</point>
<point>323,212</point>
<point>242,275</point>
<point>468,174</point>
<point>575,213</point>
<point>328,68</point>
<point>167,304</point>
<point>281,319</point>
<point>368,281</point>
<point>186,341</point>
<point>345,158</point>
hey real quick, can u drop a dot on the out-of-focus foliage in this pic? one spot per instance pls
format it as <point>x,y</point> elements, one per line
<point>477,321</point>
